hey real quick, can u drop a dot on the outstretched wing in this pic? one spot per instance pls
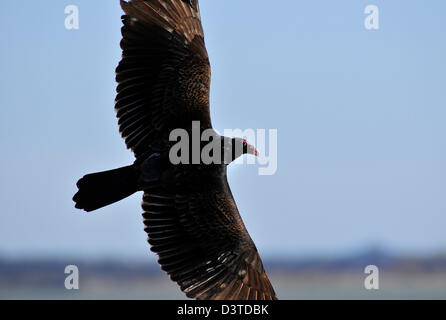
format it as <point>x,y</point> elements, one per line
<point>203,244</point>
<point>164,75</point>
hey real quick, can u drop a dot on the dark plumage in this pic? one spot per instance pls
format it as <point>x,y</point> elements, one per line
<point>190,216</point>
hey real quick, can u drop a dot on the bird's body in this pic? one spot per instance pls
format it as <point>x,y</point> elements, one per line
<point>190,215</point>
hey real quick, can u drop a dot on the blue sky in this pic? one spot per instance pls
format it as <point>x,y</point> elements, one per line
<point>360,117</point>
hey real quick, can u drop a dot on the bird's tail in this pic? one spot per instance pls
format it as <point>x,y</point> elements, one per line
<point>100,189</point>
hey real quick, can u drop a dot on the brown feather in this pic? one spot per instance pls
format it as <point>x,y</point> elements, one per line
<point>164,76</point>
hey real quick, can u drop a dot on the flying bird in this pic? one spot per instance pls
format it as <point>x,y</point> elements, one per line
<point>190,215</point>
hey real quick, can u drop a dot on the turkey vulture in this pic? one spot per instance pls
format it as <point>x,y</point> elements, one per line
<point>190,215</point>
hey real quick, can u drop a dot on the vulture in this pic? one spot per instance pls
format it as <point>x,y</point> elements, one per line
<point>189,213</point>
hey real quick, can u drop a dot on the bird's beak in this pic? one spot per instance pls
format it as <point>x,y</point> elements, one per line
<point>252,150</point>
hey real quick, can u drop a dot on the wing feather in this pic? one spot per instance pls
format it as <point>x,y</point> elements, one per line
<point>164,75</point>
<point>203,244</point>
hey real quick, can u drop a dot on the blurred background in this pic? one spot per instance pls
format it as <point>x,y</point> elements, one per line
<point>361,173</point>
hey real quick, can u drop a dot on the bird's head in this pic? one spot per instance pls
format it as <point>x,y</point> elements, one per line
<point>236,147</point>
